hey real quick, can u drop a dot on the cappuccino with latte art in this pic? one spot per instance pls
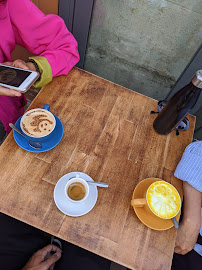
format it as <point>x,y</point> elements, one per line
<point>163,199</point>
<point>37,123</point>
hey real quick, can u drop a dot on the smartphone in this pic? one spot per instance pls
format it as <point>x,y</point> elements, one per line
<point>17,78</point>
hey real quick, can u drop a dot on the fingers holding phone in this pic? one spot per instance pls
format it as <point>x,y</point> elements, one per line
<point>17,76</point>
<point>23,65</point>
<point>9,92</point>
<point>8,64</point>
<point>20,64</point>
<point>6,91</point>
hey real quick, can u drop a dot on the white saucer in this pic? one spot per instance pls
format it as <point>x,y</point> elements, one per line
<point>78,208</point>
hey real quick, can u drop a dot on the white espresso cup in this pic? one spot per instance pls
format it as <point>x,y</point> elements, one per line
<point>76,190</point>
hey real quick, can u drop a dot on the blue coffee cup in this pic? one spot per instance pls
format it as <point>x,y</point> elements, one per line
<point>38,124</point>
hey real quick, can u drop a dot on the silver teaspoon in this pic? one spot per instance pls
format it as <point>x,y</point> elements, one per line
<point>98,184</point>
<point>176,224</point>
<point>35,145</point>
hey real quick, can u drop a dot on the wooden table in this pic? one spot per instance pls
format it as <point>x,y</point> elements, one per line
<point>108,134</point>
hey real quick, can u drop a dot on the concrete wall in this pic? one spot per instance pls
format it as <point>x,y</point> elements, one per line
<point>143,44</point>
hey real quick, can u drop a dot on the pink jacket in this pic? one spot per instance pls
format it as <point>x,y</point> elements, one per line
<point>21,22</point>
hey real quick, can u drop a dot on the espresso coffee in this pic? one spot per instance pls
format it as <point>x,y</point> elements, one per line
<point>76,191</point>
<point>37,122</point>
<point>163,199</point>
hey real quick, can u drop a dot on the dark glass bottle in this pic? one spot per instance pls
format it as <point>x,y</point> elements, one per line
<point>179,106</point>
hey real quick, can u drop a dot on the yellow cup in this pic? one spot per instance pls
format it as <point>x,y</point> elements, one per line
<point>160,199</point>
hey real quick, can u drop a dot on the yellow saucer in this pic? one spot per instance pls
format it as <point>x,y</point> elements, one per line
<point>150,220</point>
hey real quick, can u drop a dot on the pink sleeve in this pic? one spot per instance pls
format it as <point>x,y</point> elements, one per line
<point>43,35</point>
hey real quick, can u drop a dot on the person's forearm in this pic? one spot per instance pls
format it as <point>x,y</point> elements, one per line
<point>190,226</point>
<point>192,205</point>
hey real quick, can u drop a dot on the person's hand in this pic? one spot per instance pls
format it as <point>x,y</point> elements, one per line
<point>190,226</point>
<point>187,235</point>
<point>19,64</point>
<point>9,92</point>
<point>38,262</point>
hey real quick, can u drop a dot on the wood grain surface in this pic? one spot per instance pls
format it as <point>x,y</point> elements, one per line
<point>108,135</point>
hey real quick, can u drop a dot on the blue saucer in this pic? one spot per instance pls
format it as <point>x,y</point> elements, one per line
<point>46,146</point>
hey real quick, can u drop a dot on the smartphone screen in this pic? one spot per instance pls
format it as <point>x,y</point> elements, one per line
<point>17,78</point>
<point>13,77</point>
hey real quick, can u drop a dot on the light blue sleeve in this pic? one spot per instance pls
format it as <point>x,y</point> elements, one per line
<point>190,169</point>
<point>190,166</point>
